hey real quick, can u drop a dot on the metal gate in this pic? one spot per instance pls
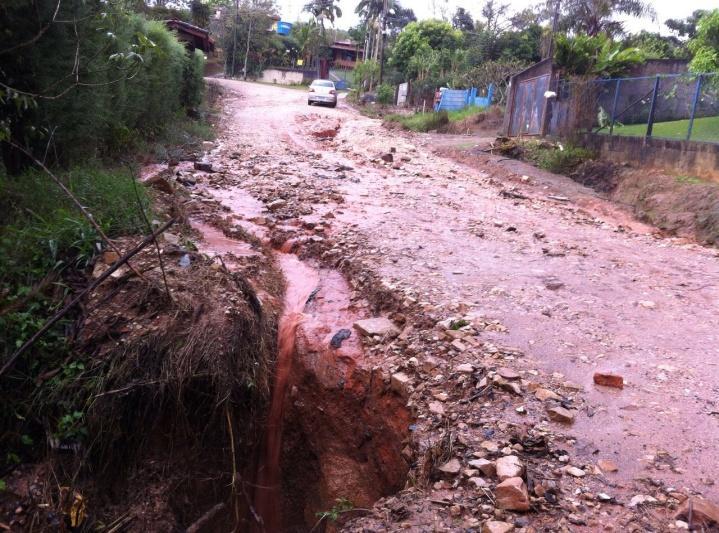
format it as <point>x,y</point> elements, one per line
<point>528,106</point>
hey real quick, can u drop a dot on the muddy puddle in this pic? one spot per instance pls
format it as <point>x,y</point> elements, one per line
<point>334,430</point>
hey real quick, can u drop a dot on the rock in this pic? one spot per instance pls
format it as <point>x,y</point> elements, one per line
<point>511,494</point>
<point>607,465</point>
<point>387,158</point>
<point>109,257</point>
<point>641,499</point>
<point>160,183</point>
<point>609,380</point>
<point>494,526</point>
<point>647,304</point>
<point>508,373</point>
<point>339,337</point>
<point>488,468</point>
<point>553,284</point>
<point>436,408</point>
<point>399,382</point>
<point>379,326</point>
<point>458,345</point>
<point>574,471</point>
<point>452,466</point>
<point>560,414</point>
<point>274,205</point>
<point>509,466</point>
<point>204,166</point>
<point>478,482</point>
<point>465,369</point>
<point>490,446</point>
<point>704,512</point>
<point>545,394</point>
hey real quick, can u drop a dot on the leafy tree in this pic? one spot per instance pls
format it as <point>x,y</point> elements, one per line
<point>593,17</point>
<point>200,13</point>
<point>308,39</point>
<point>398,18</point>
<point>657,46</point>
<point>462,20</point>
<point>417,37</point>
<point>495,73</point>
<point>686,27</point>
<point>705,44</point>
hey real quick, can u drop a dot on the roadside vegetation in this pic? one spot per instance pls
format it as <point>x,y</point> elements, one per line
<point>83,103</point>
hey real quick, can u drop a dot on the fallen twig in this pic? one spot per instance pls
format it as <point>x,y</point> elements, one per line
<point>137,249</point>
<point>201,522</point>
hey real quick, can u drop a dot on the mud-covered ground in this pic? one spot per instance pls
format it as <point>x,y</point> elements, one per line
<point>511,288</point>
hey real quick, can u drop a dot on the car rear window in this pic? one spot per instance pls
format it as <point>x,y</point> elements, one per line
<point>320,83</point>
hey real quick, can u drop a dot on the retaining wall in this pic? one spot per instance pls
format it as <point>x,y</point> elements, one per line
<point>683,157</point>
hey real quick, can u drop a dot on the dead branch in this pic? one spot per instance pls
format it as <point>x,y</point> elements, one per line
<point>201,522</point>
<point>149,227</point>
<point>137,249</point>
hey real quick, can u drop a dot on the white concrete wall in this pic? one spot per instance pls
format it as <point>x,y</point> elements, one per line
<point>282,77</point>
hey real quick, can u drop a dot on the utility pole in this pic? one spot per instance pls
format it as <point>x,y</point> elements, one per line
<point>234,37</point>
<point>383,25</point>
<point>555,27</point>
<point>247,50</point>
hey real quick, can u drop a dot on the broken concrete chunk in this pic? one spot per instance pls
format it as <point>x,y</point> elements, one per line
<point>378,326</point>
<point>609,380</point>
<point>511,494</point>
<point>560,414</point>
<point>387,158</point>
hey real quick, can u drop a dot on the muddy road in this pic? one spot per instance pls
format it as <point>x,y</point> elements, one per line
<point>555,283</point>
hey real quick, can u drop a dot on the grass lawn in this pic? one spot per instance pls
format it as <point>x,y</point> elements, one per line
<point>705,129</point>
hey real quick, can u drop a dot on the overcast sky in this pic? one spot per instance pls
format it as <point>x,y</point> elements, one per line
<point>666,9</point>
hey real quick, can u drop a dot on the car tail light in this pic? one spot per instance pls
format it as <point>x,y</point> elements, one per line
<point>332,91</point>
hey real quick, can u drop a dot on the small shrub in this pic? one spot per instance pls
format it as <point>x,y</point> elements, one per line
<point>385,94</point>
<point>421,122</point>
<point>558,159</point>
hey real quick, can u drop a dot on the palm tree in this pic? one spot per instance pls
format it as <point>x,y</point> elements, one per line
<point>324,9</point>
<point>307,38</point>
<point>371,12</point>
<point>593,17</point>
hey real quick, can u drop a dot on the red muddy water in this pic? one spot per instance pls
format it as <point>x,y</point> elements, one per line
<point>301,282</point>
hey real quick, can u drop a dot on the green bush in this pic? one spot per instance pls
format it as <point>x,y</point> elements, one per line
<point>558,159</point>
<point>193,86</point>
<point>421,122</point>
<point>134,78</point>
<point>385,94</point>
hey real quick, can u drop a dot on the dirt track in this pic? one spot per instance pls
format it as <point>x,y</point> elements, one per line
<point>578,285</point>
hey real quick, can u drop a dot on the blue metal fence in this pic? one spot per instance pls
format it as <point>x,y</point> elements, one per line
<point>675,106</point>
<point>456,99</point>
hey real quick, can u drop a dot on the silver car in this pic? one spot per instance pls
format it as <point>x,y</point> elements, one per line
<point>322,92</point>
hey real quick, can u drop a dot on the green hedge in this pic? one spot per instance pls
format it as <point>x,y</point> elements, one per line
<point>135,77</point>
